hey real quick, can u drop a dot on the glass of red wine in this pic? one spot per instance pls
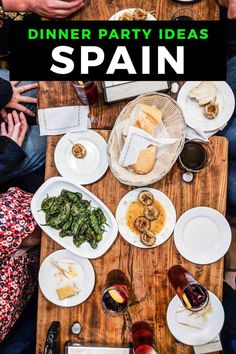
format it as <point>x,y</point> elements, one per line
<point>86,91</point>
<point>192,294</point>
<point>115,297</point>
<point>195,156</point>
<point>143,338</point>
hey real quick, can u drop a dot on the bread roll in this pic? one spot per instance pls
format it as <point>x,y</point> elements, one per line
<point>152,111</point>
<point>146,160</point>
<point>204,93</point>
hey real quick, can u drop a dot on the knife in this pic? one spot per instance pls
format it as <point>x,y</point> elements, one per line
<point>51,344</point>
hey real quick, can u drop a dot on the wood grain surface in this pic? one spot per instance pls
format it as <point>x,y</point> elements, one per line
<point>146,269</point>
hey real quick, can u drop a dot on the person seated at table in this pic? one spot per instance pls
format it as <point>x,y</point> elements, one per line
<point>57,9</point>
<point>19,234</point>
<point>22,150</point>
<point>231,5</point>
<point>230,133</point>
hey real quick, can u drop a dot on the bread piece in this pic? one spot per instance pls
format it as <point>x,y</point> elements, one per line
<point>204,93</point>
<point>149,117</point>
<point>67,291</point>
<point>146,160</point>
<point>154,112</point>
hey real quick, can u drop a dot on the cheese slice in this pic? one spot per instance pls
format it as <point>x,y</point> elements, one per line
<point>67,291</point>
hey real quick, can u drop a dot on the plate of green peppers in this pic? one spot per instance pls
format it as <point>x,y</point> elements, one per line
<point>74,217</point>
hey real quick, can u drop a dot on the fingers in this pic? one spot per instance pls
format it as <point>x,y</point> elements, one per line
<point>66,5</point>
<point>14,83</point>
<point>3,129</point>
<point>16,133</point>
<point>24,109</point>
<point>4,114</point>
<point>66,13</point>
<point>27,87</point>
<point>10,124</point>
<point>23,128</point>
<point>27,99</point>
<point>15,117</point>
<point>232,10</point>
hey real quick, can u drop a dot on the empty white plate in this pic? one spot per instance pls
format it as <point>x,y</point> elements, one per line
<point>88,169</point>
<point>202,235</point>
<point>50,278</point>
<point>193,113</point>
<point>211,322</point>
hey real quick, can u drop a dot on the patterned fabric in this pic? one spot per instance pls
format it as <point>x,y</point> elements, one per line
<point>18,274</point>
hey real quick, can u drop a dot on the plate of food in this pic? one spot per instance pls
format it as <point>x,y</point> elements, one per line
<point>147,138</point>
<point>133,14</point>
<point>206,104</point>
<point>146,217</point>
<point>202,235</point>
<point>66,279</point>
<point>74,217</point>
<point>195,328</point>
<point>81,156</point>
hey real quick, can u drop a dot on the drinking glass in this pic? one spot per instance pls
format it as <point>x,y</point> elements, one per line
<point>192,294</point>
<point>143,338</point>
<point>87,92</point>
<point>115,295</point>
<point>185,14</point>
<point>195,156</point>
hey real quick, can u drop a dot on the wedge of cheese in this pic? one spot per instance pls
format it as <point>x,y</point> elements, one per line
<point>67,291</point>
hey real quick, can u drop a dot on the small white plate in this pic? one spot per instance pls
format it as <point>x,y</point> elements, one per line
<point>50,278</point>
<point>53,187</point>
<point>193,113</point>
<point>116,16</point>
<point>213,323</point>
<point>202,235</point>
<point>88,169</point>
<point>124,229</point>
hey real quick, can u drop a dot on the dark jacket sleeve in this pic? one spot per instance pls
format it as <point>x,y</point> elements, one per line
<point>5,92</point>
<point>11,155</point>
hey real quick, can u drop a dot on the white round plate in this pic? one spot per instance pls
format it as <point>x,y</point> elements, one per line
<point>202,235</point>
<point>193,113</point>
<point>91,167</point>
<point>131,237</point>
<point>50,279</point>
<point>191,336</point>
<point>116,16</point>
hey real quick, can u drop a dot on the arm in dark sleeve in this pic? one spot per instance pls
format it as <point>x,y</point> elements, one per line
<point>5,92</point>
<point>11,155</point>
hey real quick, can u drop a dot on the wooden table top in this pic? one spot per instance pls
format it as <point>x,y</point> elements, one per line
<point>146,269</point>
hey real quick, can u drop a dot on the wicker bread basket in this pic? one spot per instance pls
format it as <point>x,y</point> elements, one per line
<point>173,119</point>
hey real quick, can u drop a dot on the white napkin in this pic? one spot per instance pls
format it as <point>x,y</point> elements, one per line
<point>137,140</point>
<point>61,120</point>
<point>195,320</point>
<point>198,134</point>
<point>212,346</point>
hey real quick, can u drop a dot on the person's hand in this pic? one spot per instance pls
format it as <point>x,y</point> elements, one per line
<point>46,8</point>
<point>17,99</point>
<point>16,127</point>
<point>231,4</point>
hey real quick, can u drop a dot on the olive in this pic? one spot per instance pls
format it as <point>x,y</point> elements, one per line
<point>151,213</point>
<point>142,224</point>
<point>148,238</point>
<point>145,197</point>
